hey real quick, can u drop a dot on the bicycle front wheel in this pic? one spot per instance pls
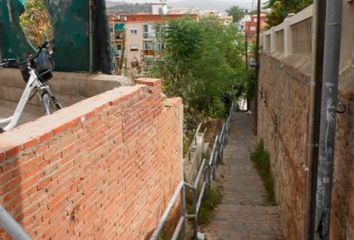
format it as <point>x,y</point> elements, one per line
<point>51,103</point>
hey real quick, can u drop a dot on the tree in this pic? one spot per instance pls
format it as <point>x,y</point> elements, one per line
<point>36,23</point>
<point>202,64</point>
<point>236,12</point>
<point>281,9</point>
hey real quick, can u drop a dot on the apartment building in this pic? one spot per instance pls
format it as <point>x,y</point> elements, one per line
<point>137,37</point>
<point>250,26</point>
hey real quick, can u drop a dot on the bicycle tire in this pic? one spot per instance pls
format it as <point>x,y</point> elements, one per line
<point>51,103</point>
<point>58,103</point>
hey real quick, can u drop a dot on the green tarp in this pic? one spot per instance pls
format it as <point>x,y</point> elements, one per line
<point>70,19</point>
<point>13,42</point>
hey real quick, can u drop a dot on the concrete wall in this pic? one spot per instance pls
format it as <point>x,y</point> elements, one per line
<point>284,105</point>
<point>104,168</point>
<point>70,87</point>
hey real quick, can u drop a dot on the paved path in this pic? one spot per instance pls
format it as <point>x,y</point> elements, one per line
<point>243,213</point>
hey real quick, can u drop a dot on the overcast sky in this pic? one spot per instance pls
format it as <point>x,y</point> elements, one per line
<point>203,4</point>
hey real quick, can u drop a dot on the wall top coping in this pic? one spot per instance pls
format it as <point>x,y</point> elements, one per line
<point>149,81</point>
<point>57,76</point>
<point>299,17</point>
<point>39,131</point>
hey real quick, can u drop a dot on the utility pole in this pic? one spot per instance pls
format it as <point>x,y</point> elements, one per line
<point>257,66</point>
<point>315,114</point>
<point>246,50</point>
<point>330,76</point>
<point>286,8</point>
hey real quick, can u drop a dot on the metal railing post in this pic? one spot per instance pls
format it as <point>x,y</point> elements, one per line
<point>183,211</point>
<point>207,175</point>
<point>195,222</point>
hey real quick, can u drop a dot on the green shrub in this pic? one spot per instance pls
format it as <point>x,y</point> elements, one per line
<point>211,200</point>
<point>261,160</point>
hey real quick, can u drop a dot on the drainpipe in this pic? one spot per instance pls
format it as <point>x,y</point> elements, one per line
<point>318,20</point>
<point>328,118</point>
<point>9,224</point>
<point>91,34</point>
<point>248,100</point>
<point>257,67</point>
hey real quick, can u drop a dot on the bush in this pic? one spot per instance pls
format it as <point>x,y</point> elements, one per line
<point>261,160</point>
<point>211,200</point>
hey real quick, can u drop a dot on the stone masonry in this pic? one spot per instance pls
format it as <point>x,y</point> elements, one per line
<point>283,122</point>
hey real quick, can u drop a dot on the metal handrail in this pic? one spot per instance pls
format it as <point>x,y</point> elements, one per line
<point>11,226</point>
<point>170,205</point>
<point>193,143</point>
<point>209,168</point>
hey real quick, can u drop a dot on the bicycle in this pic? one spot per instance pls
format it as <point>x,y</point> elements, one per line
<point>36,72</point>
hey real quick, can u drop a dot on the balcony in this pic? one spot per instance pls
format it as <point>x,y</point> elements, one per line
<point>148,35</point>
<point>149,53</point>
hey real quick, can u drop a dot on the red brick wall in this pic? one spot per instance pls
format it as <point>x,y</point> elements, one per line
<point>104,168</point>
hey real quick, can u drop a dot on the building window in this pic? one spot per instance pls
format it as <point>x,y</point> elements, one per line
<point>159,31</point>
<point>159,46</point>
<point>148,31</point>
<point>148,64</point>
<point>145,28</point>
<point>134,48</point>
<point>133,31</point>
<point>148,45</point>
<point>253,28</point>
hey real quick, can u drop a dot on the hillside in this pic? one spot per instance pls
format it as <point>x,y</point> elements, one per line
<point>123,7</point>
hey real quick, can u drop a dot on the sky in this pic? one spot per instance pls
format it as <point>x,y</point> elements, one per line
<point>220,5</point>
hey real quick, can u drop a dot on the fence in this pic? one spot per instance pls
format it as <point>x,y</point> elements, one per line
<point>293,36</point>
<point>206,173</point>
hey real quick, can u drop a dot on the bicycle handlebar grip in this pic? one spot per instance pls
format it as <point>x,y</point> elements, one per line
<point>9,63</point>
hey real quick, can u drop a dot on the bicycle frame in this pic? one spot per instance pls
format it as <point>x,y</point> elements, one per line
<point>31,84</point>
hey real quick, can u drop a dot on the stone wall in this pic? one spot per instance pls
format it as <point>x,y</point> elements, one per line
<point>283,123</point>
<point>104,168</point>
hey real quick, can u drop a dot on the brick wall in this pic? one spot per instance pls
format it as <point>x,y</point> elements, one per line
<point>104,168</point>
<point>284,102</point>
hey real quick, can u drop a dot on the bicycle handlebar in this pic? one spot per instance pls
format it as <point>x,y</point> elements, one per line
<point>9,63</point>
<point>13,62</point>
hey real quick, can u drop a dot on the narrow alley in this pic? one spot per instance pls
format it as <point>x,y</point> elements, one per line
<point>243,213</point>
